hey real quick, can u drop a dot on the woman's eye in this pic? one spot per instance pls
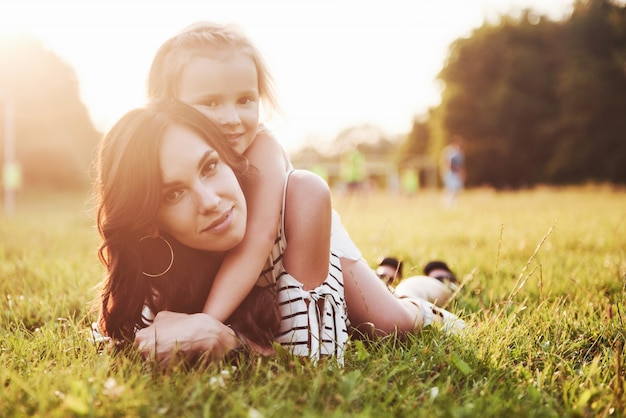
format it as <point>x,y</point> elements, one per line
<point>209,168</point>
<point>208,103</point>
<point>172,196</point>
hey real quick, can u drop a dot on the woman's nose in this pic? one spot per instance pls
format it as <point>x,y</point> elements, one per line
<point>207,199</point>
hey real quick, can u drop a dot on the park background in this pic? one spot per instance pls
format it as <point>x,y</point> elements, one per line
<point>538,240</point>
<point>539,101</point>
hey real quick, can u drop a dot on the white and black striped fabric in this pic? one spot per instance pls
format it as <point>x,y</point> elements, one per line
<point>313,322</point>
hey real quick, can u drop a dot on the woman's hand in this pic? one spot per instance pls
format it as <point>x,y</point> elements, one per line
<point>177,336</point>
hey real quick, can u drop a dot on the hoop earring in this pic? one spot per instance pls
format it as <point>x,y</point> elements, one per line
<point>171,257</point>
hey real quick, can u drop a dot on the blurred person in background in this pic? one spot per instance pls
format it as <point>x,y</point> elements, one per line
<point>453,170</point>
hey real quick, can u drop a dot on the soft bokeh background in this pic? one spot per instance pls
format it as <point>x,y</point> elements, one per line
<point>336,63</point>
<point>540,97</point>
<point>537,87</point>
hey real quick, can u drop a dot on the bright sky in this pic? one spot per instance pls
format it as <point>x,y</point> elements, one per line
<point>336,63</point>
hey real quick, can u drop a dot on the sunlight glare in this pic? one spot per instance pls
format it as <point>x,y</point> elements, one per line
<point>336,64</point>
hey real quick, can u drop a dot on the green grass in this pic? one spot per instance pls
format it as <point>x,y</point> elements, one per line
<point>544,281</point>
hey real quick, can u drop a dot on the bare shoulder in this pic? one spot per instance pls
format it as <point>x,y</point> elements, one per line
<point>264,142</point>
<point>267,153</point>
<point>307,185</point>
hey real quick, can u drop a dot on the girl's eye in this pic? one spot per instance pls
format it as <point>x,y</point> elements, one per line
<point>246,100</point>
<point>172,196</point>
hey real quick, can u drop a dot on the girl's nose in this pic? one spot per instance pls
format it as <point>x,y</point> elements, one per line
<point>229,116</point>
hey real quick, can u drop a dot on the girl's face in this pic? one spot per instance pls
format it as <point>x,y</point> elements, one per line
<point>202,204</point>
<point>224,86</point>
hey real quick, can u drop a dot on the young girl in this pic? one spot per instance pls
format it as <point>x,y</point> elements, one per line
<point>217,69</point>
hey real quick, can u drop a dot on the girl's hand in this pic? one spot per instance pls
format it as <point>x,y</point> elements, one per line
<point>176,336</point>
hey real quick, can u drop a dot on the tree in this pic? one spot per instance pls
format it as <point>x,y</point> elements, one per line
<point>540,101</point>
<point>54,136</point>
<point>591,129</point>
<point>499,96</point>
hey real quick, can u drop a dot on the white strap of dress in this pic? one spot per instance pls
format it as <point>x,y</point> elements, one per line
<point>282,218</point>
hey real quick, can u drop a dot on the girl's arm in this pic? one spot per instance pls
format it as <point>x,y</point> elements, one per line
<point>243,264</point>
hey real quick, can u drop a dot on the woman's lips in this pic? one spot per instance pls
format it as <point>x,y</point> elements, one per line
<point>221,223</point>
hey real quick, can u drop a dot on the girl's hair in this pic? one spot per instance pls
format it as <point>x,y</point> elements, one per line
<point>129,194</point>
<point>200,39</point>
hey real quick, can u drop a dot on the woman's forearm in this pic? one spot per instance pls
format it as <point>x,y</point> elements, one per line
<point>174,335</point>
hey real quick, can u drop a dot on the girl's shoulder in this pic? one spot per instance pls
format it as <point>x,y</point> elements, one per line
<point>261,129</point>
<point>266,147</point>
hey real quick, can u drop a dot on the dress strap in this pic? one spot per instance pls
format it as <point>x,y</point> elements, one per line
<point>282,212</point>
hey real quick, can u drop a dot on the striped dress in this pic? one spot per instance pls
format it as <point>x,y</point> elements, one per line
<point>314,322</point>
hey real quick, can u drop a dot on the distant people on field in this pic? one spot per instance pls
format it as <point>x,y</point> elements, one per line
<point>12,183</point>
<point>354,171</point>
<point>410,182</point>
<point>453,169</point>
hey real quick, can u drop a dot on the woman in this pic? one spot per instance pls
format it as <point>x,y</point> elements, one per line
<point>170,207</point>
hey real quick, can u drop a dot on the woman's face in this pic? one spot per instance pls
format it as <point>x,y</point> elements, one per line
<point>225,87</point>
<point>202,204</point>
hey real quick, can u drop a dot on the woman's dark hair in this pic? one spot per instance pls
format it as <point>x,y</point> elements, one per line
<point>128,191</point>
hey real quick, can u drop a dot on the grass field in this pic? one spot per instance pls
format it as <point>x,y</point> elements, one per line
<point>544,282</point>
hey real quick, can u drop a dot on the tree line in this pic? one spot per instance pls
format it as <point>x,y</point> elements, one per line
<point>538,101</point>
<point>54,137</point>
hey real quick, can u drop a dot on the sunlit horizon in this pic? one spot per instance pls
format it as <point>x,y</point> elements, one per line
<point>335,64</point>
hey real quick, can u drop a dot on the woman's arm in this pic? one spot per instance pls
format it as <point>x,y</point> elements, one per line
<point>178,336</point>
<point>308,221</point>
<point>174,335</point>
<point>243,264</point>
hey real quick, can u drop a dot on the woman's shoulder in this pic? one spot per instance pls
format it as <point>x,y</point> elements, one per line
<point>308,185</point>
